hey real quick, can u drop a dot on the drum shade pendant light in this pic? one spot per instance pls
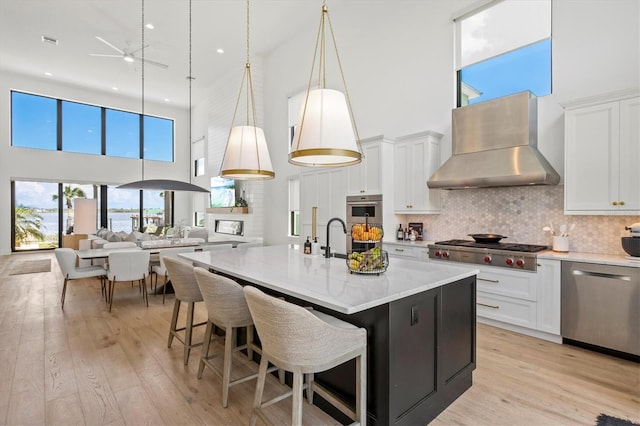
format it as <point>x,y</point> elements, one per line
<point>163,184</point>
<point>326,133</point>
<point>246,156</point>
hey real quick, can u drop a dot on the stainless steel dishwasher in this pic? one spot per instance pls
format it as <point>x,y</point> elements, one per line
<point>601,305</point>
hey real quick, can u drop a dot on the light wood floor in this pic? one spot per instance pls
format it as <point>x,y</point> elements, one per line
<point>85,365</point>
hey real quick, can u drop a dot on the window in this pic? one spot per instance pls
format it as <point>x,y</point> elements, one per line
<point>81,128</point>
<point>504,48</point>
<point>34,122</point>
<point>36,216</point>
<point>294,207</point>
<point>123,211</point>
<point>54,124</point>
<point>198,219</point>
<point>158,139</point>
<point>123,134</point>
<point>198,167</point>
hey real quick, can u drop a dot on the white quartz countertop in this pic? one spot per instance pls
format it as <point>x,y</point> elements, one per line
<point>327,282</point>
<point>604,259</point>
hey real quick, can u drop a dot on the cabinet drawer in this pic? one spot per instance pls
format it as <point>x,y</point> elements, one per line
<point>510,310</point>
<point>507,283</point>
<point>402,251</point>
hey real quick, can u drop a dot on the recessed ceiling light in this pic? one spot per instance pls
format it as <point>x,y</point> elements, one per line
<point>48,74</point>
<point>150,26</point>
<point>114,88</point>
<point>49,40</point>
<point>220,50</point>
<point>167,100</point>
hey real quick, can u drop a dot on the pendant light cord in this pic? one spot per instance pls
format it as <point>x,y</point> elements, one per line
<point>142,109</point>
<point>190,78</point>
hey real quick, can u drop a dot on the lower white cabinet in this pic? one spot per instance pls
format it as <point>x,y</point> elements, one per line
<point>528,300</point>
<point>405,251</point>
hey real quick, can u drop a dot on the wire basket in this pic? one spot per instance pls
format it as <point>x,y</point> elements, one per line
<point>371,262</point>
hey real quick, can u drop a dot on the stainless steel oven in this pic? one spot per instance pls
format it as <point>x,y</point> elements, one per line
<point>362,209</point>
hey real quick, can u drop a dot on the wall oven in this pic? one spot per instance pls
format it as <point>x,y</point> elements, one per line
<point>362,209</point>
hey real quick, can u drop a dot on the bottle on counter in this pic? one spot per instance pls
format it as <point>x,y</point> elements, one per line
<point>315,246</point>
<point>307,246</point>
<point>400,232</point>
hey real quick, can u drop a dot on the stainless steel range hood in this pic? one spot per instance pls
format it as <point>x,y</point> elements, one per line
<point>494,144</point>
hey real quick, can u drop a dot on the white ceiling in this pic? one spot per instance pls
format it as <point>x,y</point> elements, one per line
<point>76,23</point>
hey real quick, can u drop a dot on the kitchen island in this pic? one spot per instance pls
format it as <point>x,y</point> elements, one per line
<point>420,321</point>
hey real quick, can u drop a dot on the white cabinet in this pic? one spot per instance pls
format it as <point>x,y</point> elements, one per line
<point>326,190</point>
<point>375,170</point>
<point>602,154</point>
<point>548,291</point>
<point>416,158</point>
<point>405,251</point>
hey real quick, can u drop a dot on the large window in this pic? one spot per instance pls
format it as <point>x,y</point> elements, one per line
<point>294,207</point>
<point>504,48</point>
<point>34,122</point>
<point>36,221</point>
<point>53,124</point>
<point>123,134</point>
<point>81,128</point>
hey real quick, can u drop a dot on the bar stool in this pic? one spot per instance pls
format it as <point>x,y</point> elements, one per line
<point>306,342</point>
<point>186,290</point>
<point>227,309</point>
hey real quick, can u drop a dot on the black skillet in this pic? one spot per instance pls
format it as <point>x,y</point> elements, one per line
<point>487,238</point>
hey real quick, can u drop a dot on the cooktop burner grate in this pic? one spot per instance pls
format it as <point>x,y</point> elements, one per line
<point>528,248</point>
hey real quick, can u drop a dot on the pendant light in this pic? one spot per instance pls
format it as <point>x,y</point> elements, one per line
<point>326,132</point>
<point>246,156</point>
<point>164,184</point>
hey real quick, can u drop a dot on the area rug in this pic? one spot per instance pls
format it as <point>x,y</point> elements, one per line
<point>31,266</point>
<point>604,420</point>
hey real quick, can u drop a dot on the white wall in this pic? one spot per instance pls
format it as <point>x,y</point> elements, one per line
<point>398,62</point>
<point>40,165</point>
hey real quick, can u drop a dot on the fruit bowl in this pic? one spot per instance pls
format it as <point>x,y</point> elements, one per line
<point>373,261</point>
<point>365,232</point>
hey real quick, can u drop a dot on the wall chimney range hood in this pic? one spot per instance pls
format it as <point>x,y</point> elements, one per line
<point>494,144</point>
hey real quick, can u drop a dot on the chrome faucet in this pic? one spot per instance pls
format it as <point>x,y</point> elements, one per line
<point>327,249</point>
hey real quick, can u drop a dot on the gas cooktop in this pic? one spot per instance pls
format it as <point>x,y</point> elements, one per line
<point>528,248</point>
<point>503,255</point>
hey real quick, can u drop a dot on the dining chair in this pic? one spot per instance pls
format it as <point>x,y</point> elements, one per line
<point>66,258</point>
<point>128,265</point>
<point>161,268</point>
<point>306,342</point>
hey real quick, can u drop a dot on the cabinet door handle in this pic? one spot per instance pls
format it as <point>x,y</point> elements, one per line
<point>622,203</point>
<point>488,306</point>
<point>489,281</point>
<point>615,203</point>
<point>399,249</point>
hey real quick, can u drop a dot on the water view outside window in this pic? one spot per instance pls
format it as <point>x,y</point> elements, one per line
<point>81,128</point>
<point>158,139</point>
<point>36,215</point>
<point>124,209</point>
<point>153,213</point>
<point>33,121</point>
<point>123,134</point>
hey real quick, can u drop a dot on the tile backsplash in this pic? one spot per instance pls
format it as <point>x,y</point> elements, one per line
<point>520,213</point>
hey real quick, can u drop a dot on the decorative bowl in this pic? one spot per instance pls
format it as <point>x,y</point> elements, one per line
<point>631,245</point>
<point>373,261</point>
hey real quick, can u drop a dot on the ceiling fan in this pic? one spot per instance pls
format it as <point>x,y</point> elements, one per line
<point>127,56</point>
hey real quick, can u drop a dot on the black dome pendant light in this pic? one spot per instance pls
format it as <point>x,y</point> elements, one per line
<point>165,184</point>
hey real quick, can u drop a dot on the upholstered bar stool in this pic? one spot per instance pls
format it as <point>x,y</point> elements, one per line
<point>186,290</point>
<point>306,342</point>
<point>227,309</point>
<point>160,268</point>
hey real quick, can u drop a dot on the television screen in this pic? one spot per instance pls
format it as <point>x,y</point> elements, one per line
<point>223,192</point>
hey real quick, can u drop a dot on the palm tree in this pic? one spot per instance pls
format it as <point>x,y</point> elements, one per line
<point>27,225</point>
<point>69,194</point>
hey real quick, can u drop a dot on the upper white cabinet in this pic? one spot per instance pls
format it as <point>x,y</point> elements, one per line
<point>375,170</point>
<point>602,154</point>
<point>416,158</point>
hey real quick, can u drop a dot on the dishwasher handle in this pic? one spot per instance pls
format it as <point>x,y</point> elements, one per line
<point>601,275</point>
